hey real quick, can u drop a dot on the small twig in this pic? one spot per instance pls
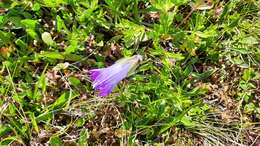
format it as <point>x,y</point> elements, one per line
<point>85,58</point>
<point>255,140</point>
<point>186,18</point>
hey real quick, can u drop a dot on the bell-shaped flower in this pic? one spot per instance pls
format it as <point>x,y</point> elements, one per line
<point>105,79</point>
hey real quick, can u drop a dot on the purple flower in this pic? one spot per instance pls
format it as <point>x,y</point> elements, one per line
<point>105,79</point>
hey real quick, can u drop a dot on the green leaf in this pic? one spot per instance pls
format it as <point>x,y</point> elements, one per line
<point>10,140</point>
<point>12,109</point>
<point>29,23</point>
<point>46,116</point>
<point>60,25</point>
<point>204,75</point>
<point>74,81</point>
<point>133,33</point>
<point>257,56</point>
<point>40,84</point>
<point>55,141</point>
<point>52,55</point>
<point>16,21</point>
<point>202,5</point>
<point>73,57</point>
<point>248,74</point>
<point>163,5</point>
<point>249,40</point>
<point>80,122</point>
<point>83,139</point>
<point>179,2</point>
<point>5,37</point>
<point>36,7</point>
<point>176,56</point>
<point>32,33</point>
<point>61,66</point>
<point>47,39</point>
<point>61,101</point>
<point>34,123</point>
<point>249,108</point>
<point>18,98</point>
<point>187,121</point>
<point>21,43</point>
<point>73,39</point>
<point>1,20</point>
<point>4,130</point>
<point>53,3</point>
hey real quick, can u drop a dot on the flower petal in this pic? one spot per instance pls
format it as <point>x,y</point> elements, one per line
<point>105,89</point>
<point>94,73</point>
<point>105,79</point>
<point>109,78</point>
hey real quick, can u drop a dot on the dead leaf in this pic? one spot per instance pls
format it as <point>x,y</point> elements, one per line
<point>122,133</point>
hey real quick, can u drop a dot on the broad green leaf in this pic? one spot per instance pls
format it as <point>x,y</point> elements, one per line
<point>187,121</point>
<point>61,101</point>
<point>179,2</point>
<point>133,33</point>
<point>74,81</point>
<point>29,23</point>
<point>60,25</point>
<point>5,37</point>
<point>73,57</point>
<point>163,5</point>
<point>55,141</point>
<point>176,56</point>
<point>248,74</point>
<point>52,55</point>
<point>47,39</point>
<point>21,43</point>
<point>73,39</point>
<point>18,98</point>
<point>16,21</point>
<point>32,33</point>
<point>249,108</point>
<point>36,7</point>
<point>46,116</point>
<point>249,40</point>
<point>53,3</point>
<point>80,122</point>
<point>1,20</point>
